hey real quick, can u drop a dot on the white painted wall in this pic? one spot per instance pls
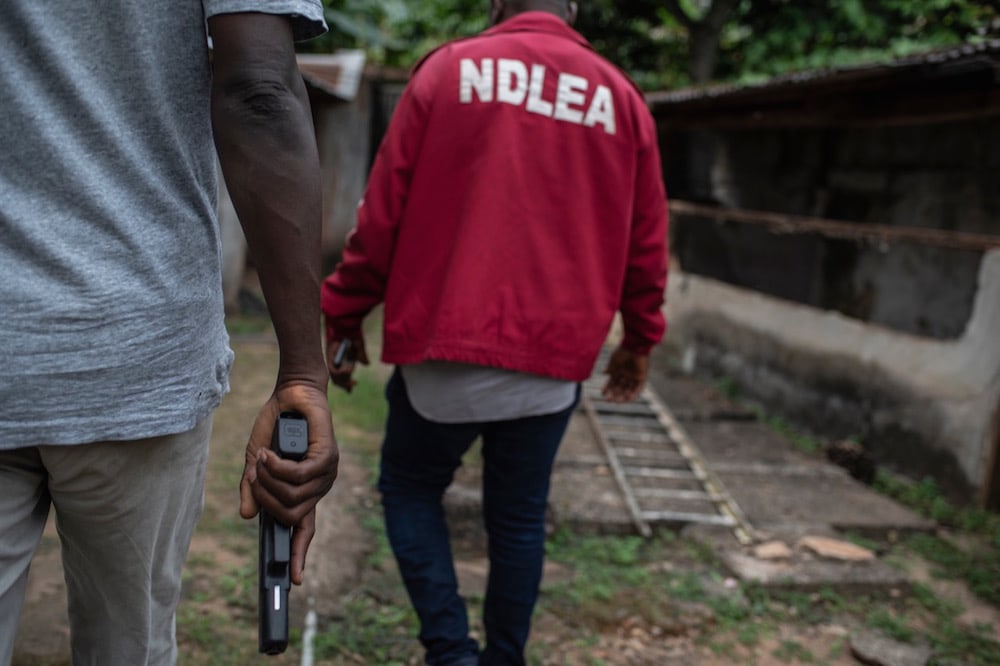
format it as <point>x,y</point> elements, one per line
<point>955,383</point>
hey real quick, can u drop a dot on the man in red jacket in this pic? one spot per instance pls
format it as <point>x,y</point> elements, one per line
<point>516,204</point>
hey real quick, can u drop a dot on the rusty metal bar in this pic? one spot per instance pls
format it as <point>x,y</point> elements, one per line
<point>875,234</point>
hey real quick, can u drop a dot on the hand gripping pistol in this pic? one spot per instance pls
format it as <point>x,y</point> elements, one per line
<point>290,440</point>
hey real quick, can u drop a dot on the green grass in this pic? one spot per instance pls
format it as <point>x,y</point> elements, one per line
<point>364,407</point>
<point>970,554</point>
<point>892,625</point>
<point>977,563</point>
<point>604,565</point>
<point>800,440</point>
<point>668,581</point>
<point>793,651</point>
<point>728,387</point>
<point>376,632</point>
<point>959,645</point>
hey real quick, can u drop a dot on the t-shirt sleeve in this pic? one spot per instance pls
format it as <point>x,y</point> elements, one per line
<point>306,15</point>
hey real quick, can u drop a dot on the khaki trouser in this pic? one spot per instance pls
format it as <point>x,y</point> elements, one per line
<point>125,512</point>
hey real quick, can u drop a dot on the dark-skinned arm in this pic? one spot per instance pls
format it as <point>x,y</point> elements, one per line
<point>359,281</point>
<point>645,277</point>
<point>267,148</point>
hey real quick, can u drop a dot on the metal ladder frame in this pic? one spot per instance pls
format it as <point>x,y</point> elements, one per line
<point>713,490</point>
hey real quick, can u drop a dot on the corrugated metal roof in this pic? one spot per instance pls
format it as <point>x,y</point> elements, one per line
<point>985,54</point>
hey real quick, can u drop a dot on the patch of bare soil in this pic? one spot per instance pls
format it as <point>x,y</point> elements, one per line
<point>348,570</point>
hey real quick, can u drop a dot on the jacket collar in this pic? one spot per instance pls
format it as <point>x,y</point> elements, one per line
<point>543,22</point>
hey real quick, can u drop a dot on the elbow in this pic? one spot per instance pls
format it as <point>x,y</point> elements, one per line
<point>262,95</point>
<point>257,100</point>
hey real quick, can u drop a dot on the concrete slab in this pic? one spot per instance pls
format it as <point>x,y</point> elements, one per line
<point>584,492</point>
<point>690,398</point>
<point>874,649</point>
<point>771,501</point>
<point>804,573</point>
<point>728,442</point>
<point>782,490</point>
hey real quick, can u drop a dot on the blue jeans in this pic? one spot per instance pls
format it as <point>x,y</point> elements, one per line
<point>419,459</point>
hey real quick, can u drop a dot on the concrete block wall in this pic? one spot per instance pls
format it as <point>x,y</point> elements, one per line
<point>922,406</point>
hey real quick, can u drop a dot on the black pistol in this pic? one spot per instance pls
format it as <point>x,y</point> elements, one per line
<point>342,353</point>
<point>290,439</point>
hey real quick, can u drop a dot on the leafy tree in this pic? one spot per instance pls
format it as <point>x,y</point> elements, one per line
<point>398,32</point>
<point>671,43</point>
<point>704,26</point>
<point>774,36</point>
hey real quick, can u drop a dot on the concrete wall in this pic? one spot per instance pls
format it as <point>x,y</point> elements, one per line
<point>344,140</point>
<point>921,405</point>
<point>942,176</point>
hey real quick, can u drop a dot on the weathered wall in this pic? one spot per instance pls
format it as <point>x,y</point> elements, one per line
<point>942,176</point>
<point>922,405</point>
<point>343,140</point>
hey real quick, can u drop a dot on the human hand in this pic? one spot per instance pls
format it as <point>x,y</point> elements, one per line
<point>342,375</point>
<point>626,372</point>
<point>287,489</point>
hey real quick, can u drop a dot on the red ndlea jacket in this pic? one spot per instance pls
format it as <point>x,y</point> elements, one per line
<point>515,204</point>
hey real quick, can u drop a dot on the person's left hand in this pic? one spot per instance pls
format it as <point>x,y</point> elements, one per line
<point>626,372</point>
<point>288,489</point>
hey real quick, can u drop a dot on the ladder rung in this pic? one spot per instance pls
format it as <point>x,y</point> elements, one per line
<point>643,437</point>
<point>652,454</point>
<point>633,421</point>
<point>646,458</point>
<point>657,473</point>
<point>666,493</point>
<point>685,517</point>
<point>603,407</point>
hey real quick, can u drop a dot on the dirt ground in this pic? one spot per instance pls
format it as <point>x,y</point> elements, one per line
<point>361,607</point>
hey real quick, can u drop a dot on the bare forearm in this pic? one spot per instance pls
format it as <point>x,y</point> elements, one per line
<point>266,145</point>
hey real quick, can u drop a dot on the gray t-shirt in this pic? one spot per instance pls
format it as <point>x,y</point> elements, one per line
<point>448,392</point>
<point>111,317</point>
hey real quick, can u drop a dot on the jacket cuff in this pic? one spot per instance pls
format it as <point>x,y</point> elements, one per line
<point>334,332</point>
<point>637,345</point>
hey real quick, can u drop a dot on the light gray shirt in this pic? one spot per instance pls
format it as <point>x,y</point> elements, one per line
<point>448,392</point>
<point>111,317</point>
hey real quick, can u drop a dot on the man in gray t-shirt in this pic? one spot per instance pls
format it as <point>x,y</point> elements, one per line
<point>113,349</point>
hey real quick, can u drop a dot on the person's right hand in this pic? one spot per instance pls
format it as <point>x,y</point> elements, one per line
<point>288,489</point>
<point>626,373</point>
<point>342,375</point>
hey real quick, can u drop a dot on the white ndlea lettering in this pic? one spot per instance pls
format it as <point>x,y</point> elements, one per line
<point>478,79</point>
<point>570,90</point>
<point>510,83</point>
<point>535,89</point>
<point>602,110</point>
